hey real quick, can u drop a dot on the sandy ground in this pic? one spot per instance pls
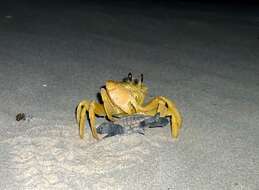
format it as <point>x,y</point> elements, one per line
<point>206,61</point>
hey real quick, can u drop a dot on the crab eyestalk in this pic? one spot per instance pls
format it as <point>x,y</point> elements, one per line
<point>141,80</point>
<point>130,77</point>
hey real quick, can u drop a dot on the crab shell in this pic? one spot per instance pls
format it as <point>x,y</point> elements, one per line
<point>124,95</point>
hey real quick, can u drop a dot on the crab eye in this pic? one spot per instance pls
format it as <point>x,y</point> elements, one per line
<point>130,77</point>
<point>141,77</point>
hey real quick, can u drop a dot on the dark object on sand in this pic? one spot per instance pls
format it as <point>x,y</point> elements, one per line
<point>131,124</point>
<point>20,116</point>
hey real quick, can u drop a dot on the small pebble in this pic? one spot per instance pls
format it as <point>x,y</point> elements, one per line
<point>24,116</point>
<point>20,116</point>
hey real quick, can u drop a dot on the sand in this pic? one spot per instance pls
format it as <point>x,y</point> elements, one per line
<point>204,60</point>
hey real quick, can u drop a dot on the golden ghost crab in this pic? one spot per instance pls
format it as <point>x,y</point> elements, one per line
<point>124,98</point>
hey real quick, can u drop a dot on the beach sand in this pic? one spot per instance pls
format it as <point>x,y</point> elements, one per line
<point>207,62</point>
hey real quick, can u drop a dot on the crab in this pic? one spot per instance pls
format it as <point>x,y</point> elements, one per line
<point>125,98</point>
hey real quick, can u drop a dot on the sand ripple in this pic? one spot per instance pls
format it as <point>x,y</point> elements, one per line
<point>57,162</point>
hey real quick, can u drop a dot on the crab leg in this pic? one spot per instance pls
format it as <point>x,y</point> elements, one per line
<point>93,109</point>
<point>166,108</point>
<point>79,108</point>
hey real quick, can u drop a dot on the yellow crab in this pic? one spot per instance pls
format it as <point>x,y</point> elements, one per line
<point>122,98</point>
